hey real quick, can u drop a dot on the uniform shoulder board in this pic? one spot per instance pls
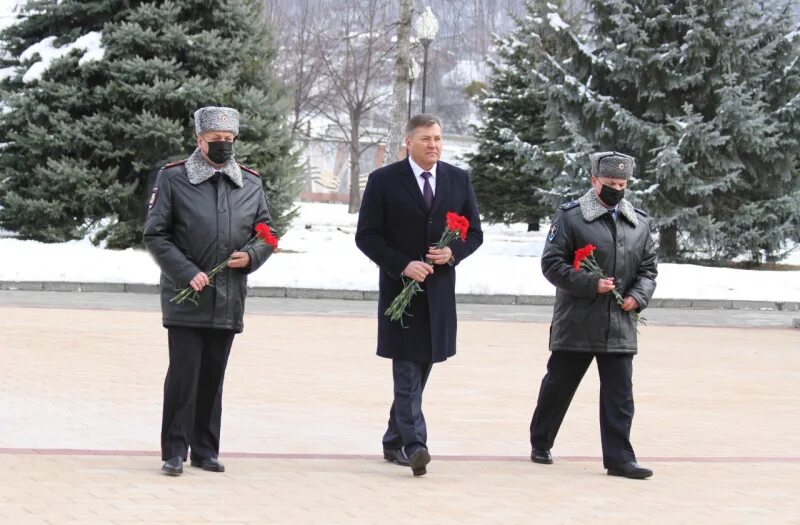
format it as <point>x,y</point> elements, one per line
<point>173,164</point>
<point>641,212</point>
<point>250,170</point>
<point>569,205</point>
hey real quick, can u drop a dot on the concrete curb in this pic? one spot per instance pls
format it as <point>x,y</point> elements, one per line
<point>358,295</point>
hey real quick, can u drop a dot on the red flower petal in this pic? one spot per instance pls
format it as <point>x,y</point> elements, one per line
<point>264,233</point>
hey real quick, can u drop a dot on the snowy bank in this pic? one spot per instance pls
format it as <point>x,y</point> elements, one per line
<point>319,252</point>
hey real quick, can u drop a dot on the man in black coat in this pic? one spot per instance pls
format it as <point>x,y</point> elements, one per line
<point>202,211</point>
<point>402,215</point>
<point>588,324</point>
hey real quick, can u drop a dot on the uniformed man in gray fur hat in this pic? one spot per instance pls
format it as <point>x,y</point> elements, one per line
<point>588,323</point>
<point>201,211</point>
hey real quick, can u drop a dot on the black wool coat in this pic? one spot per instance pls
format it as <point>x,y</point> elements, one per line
<point>395,228</point>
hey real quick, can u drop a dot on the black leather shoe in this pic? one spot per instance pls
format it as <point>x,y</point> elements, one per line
<point>418,460</point>
<point>630,470</point>
<point>541,456</point>
<point>209,464</point>
<point>396,455</point>
<point>173,466</point>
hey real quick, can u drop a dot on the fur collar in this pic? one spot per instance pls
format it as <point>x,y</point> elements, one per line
<point>199,170</point>
<point>592,208</point>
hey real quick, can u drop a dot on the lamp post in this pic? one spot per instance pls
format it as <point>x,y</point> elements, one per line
<point>426,27</point>
<point>413,73</point>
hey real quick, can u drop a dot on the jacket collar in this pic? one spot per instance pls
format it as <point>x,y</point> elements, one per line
<point>199,170</point>
<point>592,209</point>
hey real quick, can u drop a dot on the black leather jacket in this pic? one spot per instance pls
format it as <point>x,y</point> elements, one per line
<point>193,227</point>
<point>584,321</point>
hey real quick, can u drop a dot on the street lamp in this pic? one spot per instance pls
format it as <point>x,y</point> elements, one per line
<point>426,27</point>
<point>413,73</point>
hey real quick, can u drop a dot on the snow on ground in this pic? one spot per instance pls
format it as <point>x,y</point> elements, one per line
<point>319,252</point>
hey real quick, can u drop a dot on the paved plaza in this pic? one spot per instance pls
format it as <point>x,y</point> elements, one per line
<point>306,401</point>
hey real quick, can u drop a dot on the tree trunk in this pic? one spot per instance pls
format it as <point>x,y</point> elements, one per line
<point>355,158</point>
<point>394,145</point>
<point>668,243</point>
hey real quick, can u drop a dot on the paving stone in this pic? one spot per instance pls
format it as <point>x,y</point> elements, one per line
<point>486,299</point>
<point>61,287</point>
<point>103,287</point>
<point>142,288</point>
<point>306,402</point>
<point>307,293</point>
<point>266,292</point>
<point>22,285</point>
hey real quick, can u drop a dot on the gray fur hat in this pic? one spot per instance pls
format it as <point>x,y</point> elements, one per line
<point>212,118</point>
<point>612,165</point>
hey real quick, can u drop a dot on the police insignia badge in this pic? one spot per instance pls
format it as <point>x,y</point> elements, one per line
<point>553,232</point>
<point>153,199</point>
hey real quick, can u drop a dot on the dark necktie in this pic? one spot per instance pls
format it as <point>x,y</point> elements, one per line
<point>427,191</point>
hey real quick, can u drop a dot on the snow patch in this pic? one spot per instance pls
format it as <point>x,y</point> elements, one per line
<point>319,251</point>
<point>465,71</point>
<point>7,72</point>
<point>556,22</point>
<point>89,42</point>
<point>790,66</point>
<point>8,12</point>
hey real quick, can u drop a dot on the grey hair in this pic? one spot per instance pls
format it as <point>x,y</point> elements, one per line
<point>422,121</point>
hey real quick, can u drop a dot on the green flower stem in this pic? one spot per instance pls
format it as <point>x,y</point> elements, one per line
<point>399,306</point>
<point>191,295</point>
<point>590,263</point>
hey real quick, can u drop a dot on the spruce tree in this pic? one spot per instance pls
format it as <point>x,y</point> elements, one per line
<point>704,94</point>
<point>509,187</point>
<point>82,138</point>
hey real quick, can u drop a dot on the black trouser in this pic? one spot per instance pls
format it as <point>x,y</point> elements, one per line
<point>193,391</point>
<point>406,422</point>
<point>564,373</point>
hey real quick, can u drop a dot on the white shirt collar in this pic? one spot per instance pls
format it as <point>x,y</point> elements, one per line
<point>418,171</point>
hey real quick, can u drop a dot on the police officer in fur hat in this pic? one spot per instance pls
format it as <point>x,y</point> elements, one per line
<point>588,324</point>
<point>203,210</point>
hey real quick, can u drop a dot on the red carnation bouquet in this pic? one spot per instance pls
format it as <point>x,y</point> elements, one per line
<point>584,258</point>
<point>457,227</point>
<point>262,237</point>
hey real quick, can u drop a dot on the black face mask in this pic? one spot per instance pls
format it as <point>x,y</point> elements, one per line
<point>611,196</point>
<point>220,152</point>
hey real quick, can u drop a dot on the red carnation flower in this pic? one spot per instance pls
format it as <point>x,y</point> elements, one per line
<point>458,223</point>
<point>581,254</point>
<point>265,234</point>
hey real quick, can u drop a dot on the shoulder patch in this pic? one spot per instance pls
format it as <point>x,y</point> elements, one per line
<point>553,232</point>
<point>569,205</point>
<point>173,164</point>
<point>153,198</point>
<point>251,171</point>
<point>641,212</point>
